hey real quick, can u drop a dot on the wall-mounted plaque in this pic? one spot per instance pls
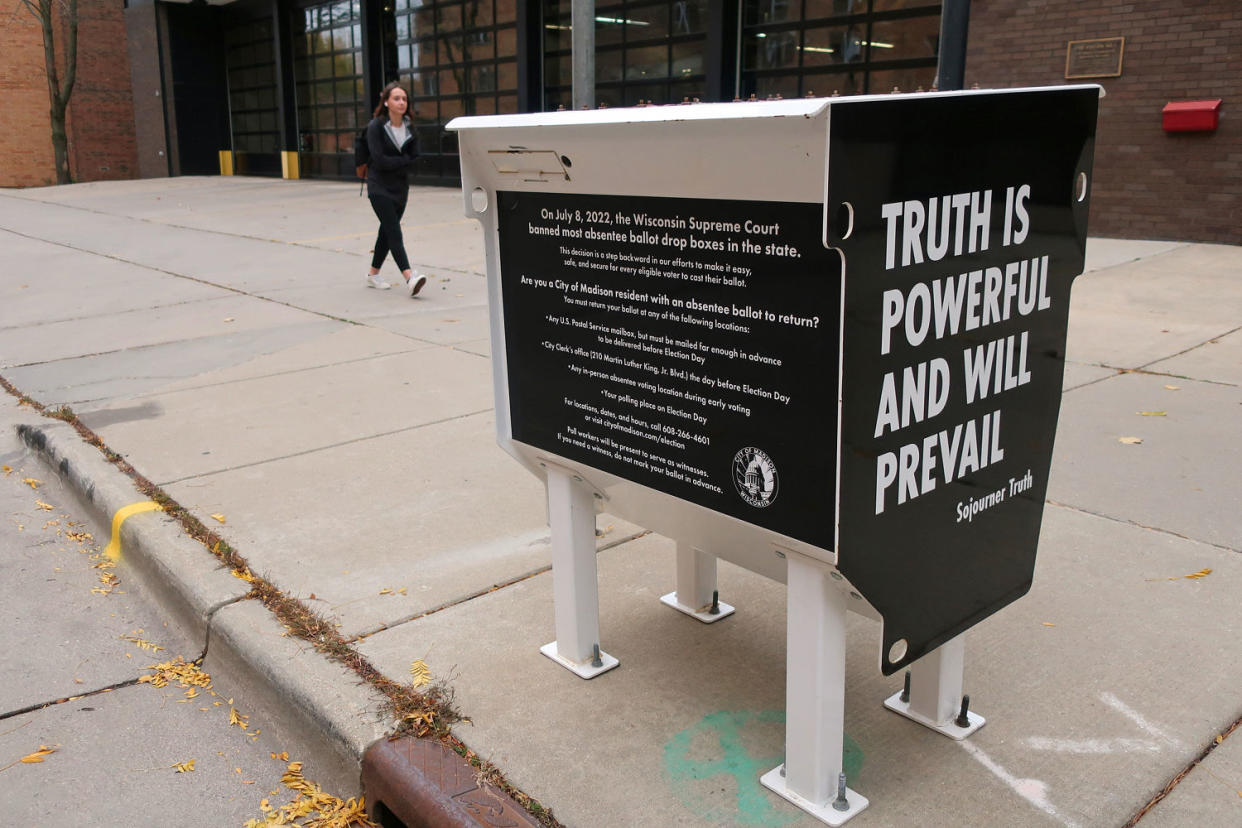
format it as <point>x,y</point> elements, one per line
<point>1097,58</point>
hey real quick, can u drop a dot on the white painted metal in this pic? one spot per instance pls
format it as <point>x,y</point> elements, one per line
<point>575,589</point>
<point>936,691</point>
<point>696,581</point>
<point>814,694</point>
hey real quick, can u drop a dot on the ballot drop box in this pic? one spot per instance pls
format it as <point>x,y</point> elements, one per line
<point>822,339</point>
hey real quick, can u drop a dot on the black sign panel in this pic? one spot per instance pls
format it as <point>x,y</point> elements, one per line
<point>969,225</point>
<point>687,345</point>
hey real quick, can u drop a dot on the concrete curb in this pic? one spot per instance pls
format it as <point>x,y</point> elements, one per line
<point>189,584</point>
<point>310,706</point>
<point>313,705</point>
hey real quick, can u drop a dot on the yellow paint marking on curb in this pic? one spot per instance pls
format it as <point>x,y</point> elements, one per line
<point>113,550</point>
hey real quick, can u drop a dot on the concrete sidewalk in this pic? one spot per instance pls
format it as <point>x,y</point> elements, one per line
<point>216,333</point>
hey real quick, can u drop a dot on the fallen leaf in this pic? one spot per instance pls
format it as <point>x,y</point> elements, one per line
<point>1202,573</point>
<point>1049,624</point>
<point>219,517</point>
<point>1130,441</point>
<point>1173,387</point>
<point>32,483</point>
<point>228,319</point>
<point>47,507</point>
<point>385,591</point>
<point>244,575</point>
<point>282,756</point>
<point>1153,413</point>
<point>184,767</point>
<point>421,672</point>
<point>1220,738</point>
<point>236,718</point>
<point>38,756</point>
<point>7,470</point>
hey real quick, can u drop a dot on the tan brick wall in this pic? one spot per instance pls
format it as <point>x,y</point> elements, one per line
<point>1148,183</point>
<point>25,129</point>
<point>101,112</point>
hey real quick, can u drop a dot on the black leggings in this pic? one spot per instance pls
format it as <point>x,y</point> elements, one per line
<point>389,213</point>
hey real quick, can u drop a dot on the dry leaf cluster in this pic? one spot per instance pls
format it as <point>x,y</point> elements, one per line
<point>312,807</point>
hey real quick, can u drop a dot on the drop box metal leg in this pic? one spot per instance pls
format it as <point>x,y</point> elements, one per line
<point>696,594</point>
<point>811,777</point>
<point>936,699</point>
<point>575,588</point>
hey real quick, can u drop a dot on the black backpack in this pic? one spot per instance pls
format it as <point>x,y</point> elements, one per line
<point>362,156</point>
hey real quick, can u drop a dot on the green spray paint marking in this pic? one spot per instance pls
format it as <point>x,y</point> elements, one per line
<point>721,735</point>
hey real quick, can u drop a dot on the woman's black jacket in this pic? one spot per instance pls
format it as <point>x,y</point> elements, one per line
<point>388,169</point>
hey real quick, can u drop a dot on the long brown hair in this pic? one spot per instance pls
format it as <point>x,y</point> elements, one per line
<point>382,109</point>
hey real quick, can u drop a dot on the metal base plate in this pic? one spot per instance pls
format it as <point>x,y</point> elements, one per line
<point>706,617</point>
<point>950,728</point>
<point>773,781</point>
<point>583,669</point>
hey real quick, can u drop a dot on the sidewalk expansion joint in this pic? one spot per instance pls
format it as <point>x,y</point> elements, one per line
<point>1208,341</point>
<point>485,591</point>
<point>1176,780</point>
<point>318,449</point>
<point>174,274</point>
<point>1136,524</point>
<point>77,697</point>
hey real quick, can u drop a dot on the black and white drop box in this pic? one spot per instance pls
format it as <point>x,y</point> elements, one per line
<point>822,339</point>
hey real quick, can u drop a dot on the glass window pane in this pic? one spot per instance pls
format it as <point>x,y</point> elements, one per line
<point>558,34</point>
<point>647,62</point>
<point>480,46</point>
<point>448,18</point>
<point>832,44</point>
<point>451,49</point>
<point>914,37</point>
<point>687,59</point>
<point>558,71</point>
<point>506,43</point>
<point>770,50</point>
<point>424,22</point>
<point>483,78</point>
<point>478,13</point>
<point>403,27</point>
<point>507,103</point>
<point>609,28</point>
<point>834,8</point>
<point>647,23</point>
<point>770,11</point>
<point>607,67</point>
<point>688,17</point>
<point>506,75</point>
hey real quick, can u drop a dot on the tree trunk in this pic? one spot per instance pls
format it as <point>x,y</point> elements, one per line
<point>58,94</point>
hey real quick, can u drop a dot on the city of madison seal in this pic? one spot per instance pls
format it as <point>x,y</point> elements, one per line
<point>754,475</point>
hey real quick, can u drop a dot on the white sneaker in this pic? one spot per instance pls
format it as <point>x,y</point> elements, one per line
<point>377,281</point>
<point>415,283</point>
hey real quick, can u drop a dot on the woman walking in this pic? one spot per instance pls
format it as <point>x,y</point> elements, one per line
<point>392,145</point>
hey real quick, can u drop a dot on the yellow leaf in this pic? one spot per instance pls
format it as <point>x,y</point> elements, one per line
<point>1130,441</point>
<point>1174,387</point>
<point>402,591</point>
<point>1153,413</point>
<point>1049,624</point>
<point>238,719</point>
<point>244,575</point>
<point>1219,738</point>
<point>1202,573</point>
<point>7,470</point>
<point>38,756</point>
<point>385,591</point>
<point>32,483</point>
<point>421,672</point>
<point>47,507</point>
<point>220,517</point>
<point>184,767</point>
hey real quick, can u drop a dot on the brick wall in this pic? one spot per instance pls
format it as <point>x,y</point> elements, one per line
<point>1148,183</point>
<point>101,112</point>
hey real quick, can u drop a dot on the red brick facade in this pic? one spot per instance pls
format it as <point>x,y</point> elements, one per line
<point>1148,183</point>
<point>101,111</point>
